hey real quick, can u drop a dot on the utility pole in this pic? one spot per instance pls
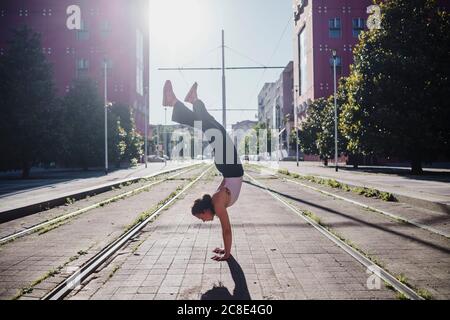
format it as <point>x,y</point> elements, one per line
<point>222,68</point>
<point>224,102</point>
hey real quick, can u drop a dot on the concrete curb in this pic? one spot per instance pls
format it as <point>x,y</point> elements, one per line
<point>421,203</point>
<point>16,213</point>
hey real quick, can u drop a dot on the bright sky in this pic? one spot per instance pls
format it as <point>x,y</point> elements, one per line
<point>187,33</point>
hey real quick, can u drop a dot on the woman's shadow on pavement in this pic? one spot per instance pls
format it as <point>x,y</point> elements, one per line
<point>240,291</point>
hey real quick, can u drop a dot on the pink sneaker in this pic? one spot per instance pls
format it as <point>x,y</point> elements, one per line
<point>169,98</point>
<point>191,97</point>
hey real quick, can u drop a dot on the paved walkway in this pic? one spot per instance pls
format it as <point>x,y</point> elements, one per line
<point>433,189</point>
<point>20,193</point>
<point>276,255</point>
<point>30,258</point>
<point>422,258</point>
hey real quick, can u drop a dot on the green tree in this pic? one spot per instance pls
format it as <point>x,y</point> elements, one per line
<point>29,112</point>
<point>310,128</point>
<point>117,142</point>
<point>325,136</point>
<point>134,143</point>
<point>119,125</point>
<point>83,126</point>
<point>317,133</point>
<point>397,91</point>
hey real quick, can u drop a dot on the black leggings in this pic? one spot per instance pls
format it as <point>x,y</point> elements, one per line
<point>182,115</point>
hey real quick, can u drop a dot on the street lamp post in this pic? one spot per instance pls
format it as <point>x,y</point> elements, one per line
<point>106,118</point>
<point>166,145</point>
<point>335,115</point>
<point>295,125</point>
<point>146,128</point>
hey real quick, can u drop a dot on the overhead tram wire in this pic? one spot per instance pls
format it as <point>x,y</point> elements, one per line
<point>223,68</point>
<point>218,68</point>
<point>270,59</point>
<point>244,56</point>
<point>180,69</point>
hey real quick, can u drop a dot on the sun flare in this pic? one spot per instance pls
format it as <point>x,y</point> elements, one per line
<point>175,21</point>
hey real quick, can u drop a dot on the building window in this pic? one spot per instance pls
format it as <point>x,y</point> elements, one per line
<point>334,26</point>
<point>46,12</point>
<point>277,117</point>
<point>358,26</point>
<point>105,28</point>
<point>83,33</point>
<point>139,62</point>
<point>23,12</point>
<point>82,64</point>
<point>338,62</point>
<point>302,65</point>
<point>82,67</point>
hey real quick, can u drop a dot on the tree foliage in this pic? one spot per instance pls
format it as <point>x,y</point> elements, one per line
<point>317,132</point>
<point>83,126</point>
<point>29,111</point>
<point>397,102</point>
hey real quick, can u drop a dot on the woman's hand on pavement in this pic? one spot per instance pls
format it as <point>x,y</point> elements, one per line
<point>221,258</point>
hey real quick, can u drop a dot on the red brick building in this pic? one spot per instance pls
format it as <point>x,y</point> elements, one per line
<point>320,27</point>
<point>78,36</point>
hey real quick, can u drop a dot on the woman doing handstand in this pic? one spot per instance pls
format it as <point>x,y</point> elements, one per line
<point>207,207</point>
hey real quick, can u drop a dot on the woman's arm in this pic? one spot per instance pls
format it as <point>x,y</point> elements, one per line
<point>227,235</point>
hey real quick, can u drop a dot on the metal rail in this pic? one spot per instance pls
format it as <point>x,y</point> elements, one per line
<point>380,272</point>
<point>67,285</point>
<point>383,212</point>
<point>63,217</point>
<point>29,209</point>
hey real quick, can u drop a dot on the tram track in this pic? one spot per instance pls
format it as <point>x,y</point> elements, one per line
<point>77,195</point>
<point>65,217</point>
<point>358,256</point>
<point>65,287</point>
<point>386,213</point>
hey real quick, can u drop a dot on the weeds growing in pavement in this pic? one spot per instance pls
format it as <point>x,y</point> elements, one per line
<point>425,294</point>
<point>367,192</point>
<point>69,201</point>
<point>144,215</point>
<point>400,296</point>
<point>111,274</point>
<point>49,274</point>
<point>312,216</point>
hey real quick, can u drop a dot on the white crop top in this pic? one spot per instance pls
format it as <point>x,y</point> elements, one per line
<point>234,185</point>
